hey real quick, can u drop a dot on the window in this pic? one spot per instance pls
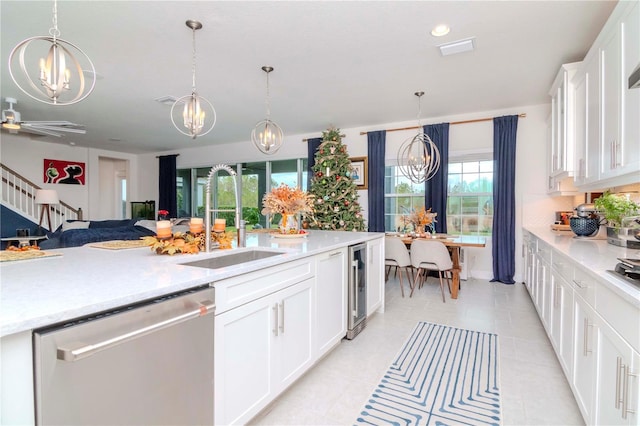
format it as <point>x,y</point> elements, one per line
<point>256,179</point>
<point>401,196</point>
<point>469,198</point>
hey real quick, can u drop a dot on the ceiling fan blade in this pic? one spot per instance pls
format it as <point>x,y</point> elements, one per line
<point>44,132</point>
<point>54,127</point>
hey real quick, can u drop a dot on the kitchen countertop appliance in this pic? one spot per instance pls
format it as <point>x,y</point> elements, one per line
<point>149,363</point>
<point>586,222</point>
<point>629,269</point>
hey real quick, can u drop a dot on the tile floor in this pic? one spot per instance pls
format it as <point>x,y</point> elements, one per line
<point>533,387</point>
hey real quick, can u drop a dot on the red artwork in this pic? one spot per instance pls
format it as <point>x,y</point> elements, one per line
<point>69,172</point>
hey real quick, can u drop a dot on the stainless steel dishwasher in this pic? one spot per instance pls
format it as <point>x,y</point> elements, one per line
<point>146,364</point>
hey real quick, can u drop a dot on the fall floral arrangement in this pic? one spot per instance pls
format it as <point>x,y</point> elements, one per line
<point>180,242</point>
<point>287,201</point>
<point>422,218</point>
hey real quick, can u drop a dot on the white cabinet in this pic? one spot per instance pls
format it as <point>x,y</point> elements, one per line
<point>331,299</point>
<point>611,142</point>
<point>607,110</point>
<point>617,389</point>
<point>562,311</point>
<point>562,118</point>
<point>375,275</point>
<point>584,360</point>
<point>260,348</point>
<point>630,36</point>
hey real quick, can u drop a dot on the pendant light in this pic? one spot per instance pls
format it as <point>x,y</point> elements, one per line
<point>418,157</point>
<point>195,107</point>
<point>51,81</point>
<point>266,135</point>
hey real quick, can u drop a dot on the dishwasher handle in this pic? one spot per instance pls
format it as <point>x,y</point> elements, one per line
<point>70,355</point>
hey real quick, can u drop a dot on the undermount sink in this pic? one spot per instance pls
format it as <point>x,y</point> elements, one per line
<point>233,259</point>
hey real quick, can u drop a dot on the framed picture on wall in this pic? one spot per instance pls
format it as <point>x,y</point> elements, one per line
<point>360,172</point>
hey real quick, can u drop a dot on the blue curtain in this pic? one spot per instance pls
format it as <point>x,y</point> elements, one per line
<point>312,147</point>
<point>504,199</point>
<point>436,187</point>
<point>168,198</point>
<point>376,147</point>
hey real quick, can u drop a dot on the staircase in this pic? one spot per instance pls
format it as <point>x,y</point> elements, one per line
<point>19,195</point>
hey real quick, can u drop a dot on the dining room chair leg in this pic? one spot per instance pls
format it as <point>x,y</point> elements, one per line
<point>401,286</point>
<point>416,279</point>
<point>442,286</point>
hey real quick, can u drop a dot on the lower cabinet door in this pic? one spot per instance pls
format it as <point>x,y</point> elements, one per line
<point>584,360</point>
<point>331,299</point>
<point>293,352</point>
<point>617,389</point>
<point>243,354</point>
<point>375,275</point>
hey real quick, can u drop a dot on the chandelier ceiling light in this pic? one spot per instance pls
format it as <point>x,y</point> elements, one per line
<point>51,80</point>
<point>418,157</point>
<point>266,135</point>
<point>196,107</point>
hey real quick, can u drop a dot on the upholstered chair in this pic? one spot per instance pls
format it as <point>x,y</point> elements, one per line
<point>396,255</point>
<point>431,255</point>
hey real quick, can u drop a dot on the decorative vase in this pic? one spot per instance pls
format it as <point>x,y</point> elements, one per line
<point>289,224</point>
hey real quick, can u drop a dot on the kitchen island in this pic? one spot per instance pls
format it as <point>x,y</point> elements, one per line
<point>86,280</point>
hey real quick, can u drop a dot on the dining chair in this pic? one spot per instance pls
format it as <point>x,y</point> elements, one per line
<point>429,255</point>
<point>396,255</point>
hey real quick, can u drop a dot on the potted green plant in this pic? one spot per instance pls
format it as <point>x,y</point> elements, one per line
<point>616,207</point>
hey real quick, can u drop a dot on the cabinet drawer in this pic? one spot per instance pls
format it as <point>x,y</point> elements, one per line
<point>584,285</point>
<point>244,288</point>
<point>562,265</point>
<point>621,315</point>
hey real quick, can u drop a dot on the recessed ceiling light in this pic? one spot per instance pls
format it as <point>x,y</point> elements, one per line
<point>459,46</point>
<point>440,30</point>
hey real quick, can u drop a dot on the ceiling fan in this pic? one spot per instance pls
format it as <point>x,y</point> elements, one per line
<point>12,122</point>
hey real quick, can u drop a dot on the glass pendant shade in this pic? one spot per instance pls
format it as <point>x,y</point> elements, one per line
<point>60,78</point>
<point>195,108</point>
<point>267,136</point>
<point>418,157</point>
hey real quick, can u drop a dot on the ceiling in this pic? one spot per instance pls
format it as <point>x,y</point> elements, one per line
<point>341,63</point>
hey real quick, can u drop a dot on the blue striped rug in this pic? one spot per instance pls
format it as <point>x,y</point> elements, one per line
<point>442,376</point>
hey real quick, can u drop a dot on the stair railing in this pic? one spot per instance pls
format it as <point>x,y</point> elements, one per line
<point>19,193</point>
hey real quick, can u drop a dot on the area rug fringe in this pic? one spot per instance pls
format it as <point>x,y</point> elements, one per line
<point>442,376</point>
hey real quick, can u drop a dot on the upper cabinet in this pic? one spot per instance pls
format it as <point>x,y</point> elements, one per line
<point>606,125</point>
<point>561,132</point>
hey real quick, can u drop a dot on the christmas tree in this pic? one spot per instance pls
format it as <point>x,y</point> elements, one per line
<point>336,197</point>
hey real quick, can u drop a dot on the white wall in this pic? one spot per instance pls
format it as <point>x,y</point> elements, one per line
<point>26,157</point>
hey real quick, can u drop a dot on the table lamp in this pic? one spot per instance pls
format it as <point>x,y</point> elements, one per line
<point>46,197</point>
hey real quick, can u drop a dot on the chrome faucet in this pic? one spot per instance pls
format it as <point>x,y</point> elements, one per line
<point>208,210</point>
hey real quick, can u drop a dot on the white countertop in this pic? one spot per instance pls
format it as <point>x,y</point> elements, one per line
<point>85,280</point>
<point>596,256</point>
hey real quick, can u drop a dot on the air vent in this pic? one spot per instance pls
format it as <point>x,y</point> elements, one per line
<point>459,46</point>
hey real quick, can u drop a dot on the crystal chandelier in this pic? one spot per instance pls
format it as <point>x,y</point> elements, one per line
<point>50,81</point>
<point>266,135</point>
<point>418,157</point>
<point>195,107</point>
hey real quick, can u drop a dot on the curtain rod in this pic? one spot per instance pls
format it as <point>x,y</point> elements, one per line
<point>522,115</point>
<point>477,120</point>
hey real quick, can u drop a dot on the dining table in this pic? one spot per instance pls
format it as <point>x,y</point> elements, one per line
<point>453,243</point>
